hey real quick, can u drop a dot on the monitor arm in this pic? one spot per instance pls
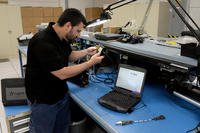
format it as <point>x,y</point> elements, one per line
<point>119,4</point>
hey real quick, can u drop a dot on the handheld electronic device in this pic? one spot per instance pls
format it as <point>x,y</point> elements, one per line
<point>100,49</point>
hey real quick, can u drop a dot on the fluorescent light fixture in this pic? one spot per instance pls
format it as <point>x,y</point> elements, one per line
<point>105,17</point>
<point>97,22</point>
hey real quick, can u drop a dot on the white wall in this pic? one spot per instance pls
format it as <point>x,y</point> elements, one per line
<point>100,3</point>
<point>81,6</point>
<point>63,3</point>
<point>193,7</point>
<point>11,28</point>
<point>40,3</point>
<point>88,3</point>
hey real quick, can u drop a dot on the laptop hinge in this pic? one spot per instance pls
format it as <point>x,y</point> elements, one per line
<point>125,92</point>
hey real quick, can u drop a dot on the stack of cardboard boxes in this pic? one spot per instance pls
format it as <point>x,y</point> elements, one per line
<point>92,13</point>
<point>32,16</point>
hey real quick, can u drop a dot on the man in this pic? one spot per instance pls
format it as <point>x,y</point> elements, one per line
<point>47,69</point>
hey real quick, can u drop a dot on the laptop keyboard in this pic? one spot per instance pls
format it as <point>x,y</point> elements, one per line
<point>121,99</point>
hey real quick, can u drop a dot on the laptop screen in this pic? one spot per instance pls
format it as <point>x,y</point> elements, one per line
<point>130,79</point>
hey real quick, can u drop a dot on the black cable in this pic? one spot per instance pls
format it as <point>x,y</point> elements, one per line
<point>143,105</point>
<point>117,5</point>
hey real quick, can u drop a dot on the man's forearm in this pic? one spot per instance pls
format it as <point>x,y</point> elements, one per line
<point>75,55</point>
<point>71,71</point>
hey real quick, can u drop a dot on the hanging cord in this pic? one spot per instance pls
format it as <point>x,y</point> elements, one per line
<point>143,105</point>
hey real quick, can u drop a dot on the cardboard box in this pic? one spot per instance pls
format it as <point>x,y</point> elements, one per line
<point>36,21</point>
<point>47,19</point>
<point>37,11</point>
<point>47,11</point>
<point>32,16</point>
<point>55,19</point>
<point>98,28</point>
<point>30,30</point>
<point>57,11</point>
<point>93,13</point>
<point>34,30</point>
<point>111,30</point>
<point>26,22</point>
<point>27,11</point>
<point>27,30</point>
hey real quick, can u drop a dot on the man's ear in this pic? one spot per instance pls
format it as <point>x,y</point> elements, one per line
<point>68,26</point>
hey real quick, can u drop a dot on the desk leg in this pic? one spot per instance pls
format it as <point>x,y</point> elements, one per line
<point>21,63</point>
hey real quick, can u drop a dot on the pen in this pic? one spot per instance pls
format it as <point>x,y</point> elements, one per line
<point>122,123</point>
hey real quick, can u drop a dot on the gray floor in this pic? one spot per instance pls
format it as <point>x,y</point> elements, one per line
<point>9,68</point>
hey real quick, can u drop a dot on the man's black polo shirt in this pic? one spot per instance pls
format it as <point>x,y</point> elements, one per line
<point>46,53</point>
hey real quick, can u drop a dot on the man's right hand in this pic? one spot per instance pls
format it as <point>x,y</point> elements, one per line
<point>96,58</point>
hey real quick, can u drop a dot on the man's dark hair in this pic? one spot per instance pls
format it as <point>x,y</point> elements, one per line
<point>71,15</point>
